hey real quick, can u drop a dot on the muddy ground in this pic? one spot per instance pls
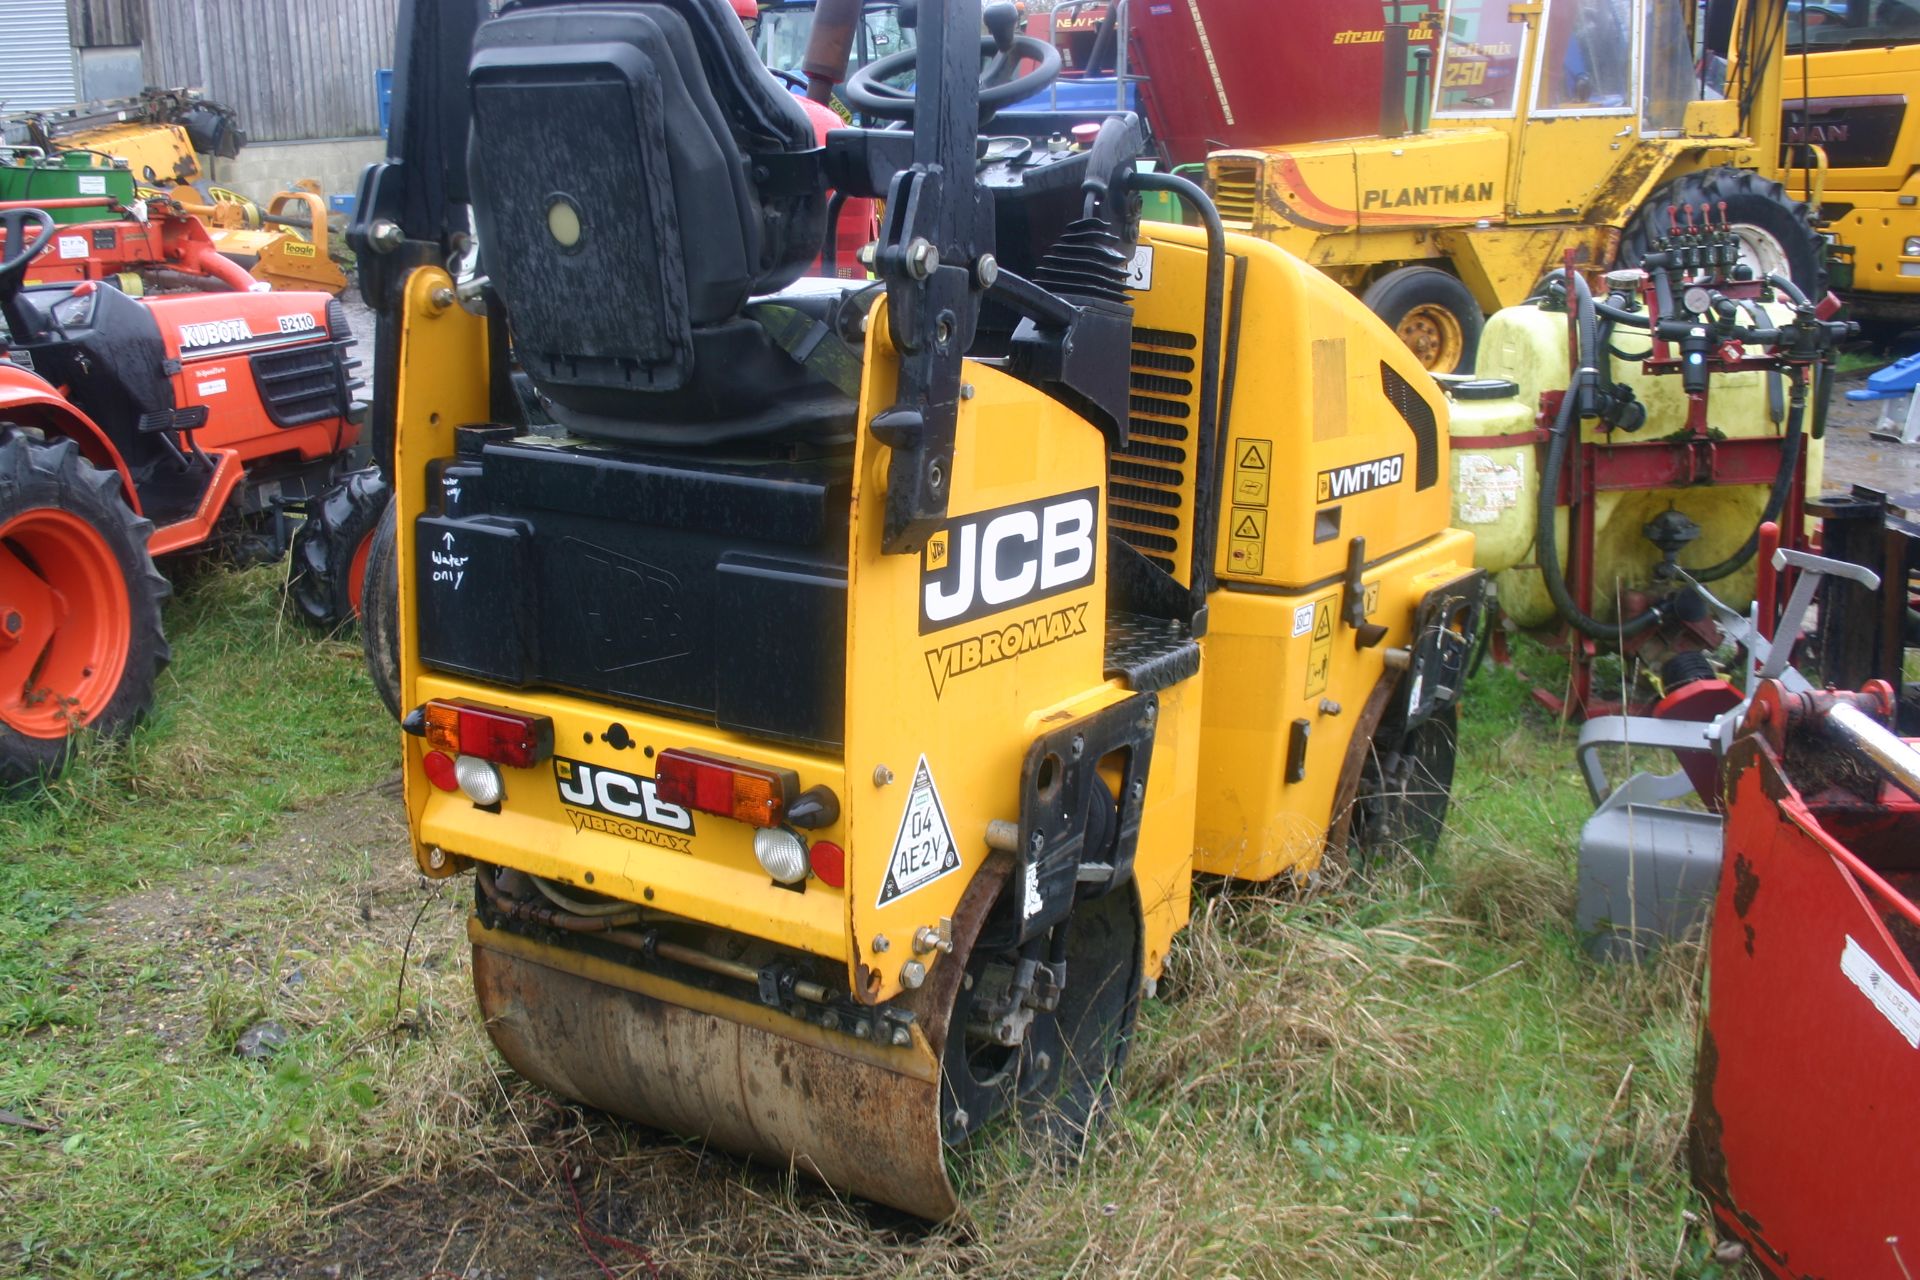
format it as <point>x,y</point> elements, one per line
<point>1855,457</point>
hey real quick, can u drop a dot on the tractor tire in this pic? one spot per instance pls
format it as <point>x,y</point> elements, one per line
<point>1775,230</point>
<point>1433,313</point>
<point>380,622</point>
<point>81,644</point>
<point>330,550</point>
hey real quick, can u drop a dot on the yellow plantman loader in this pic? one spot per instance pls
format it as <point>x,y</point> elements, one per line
<point>833,687</point>
<point>1555,125</point>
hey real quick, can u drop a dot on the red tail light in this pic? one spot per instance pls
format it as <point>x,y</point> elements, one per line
<point>438,766</point>
<point>751,793</point>
<point>504,737</point>
<point>829,862</point>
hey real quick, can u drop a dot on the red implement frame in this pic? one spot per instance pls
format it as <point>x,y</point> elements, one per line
<point>1805,1134</point>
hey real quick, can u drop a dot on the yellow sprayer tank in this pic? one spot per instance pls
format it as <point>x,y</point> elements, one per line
<point>1496,466</point>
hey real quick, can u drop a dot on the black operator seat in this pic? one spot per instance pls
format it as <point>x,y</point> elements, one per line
<point>637,175</point>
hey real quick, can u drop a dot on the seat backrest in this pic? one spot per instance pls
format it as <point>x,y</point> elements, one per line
<point>636,174</point>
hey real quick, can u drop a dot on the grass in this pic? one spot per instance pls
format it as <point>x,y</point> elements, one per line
<point>1410,1074</point>
<point>1858,362</point>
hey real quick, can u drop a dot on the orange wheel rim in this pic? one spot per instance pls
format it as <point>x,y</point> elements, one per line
<point>1434,334</point>
<point>357,575</point>
<point>65,623</point>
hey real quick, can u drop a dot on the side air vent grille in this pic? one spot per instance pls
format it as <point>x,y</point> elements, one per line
<point>1236,190</point>
<point>1418,415</point>
<point>1150,482</point>
<point>306,384</point>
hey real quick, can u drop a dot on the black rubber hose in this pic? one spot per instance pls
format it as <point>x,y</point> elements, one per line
<point>1211,449</point>
<point>1777,496</point>
<point>1786,285</point>
<point>1632,319</point>
<point>828,264</point>
<point>1546,504</point>
<point>1546,547</point>
<point>1586,326</point>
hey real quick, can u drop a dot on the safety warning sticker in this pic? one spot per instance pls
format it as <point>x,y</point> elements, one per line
<point>1252,472</point>
<point>1320,650</point>
<point>923,848</point>
<point>1247,540</point>
<point>1140,270</point>
<point>1895,1003</point>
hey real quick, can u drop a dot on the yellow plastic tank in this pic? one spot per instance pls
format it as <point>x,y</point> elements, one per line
<point>1496,485</point>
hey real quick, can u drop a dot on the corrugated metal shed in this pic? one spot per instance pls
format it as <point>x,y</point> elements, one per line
<point>97,24</point>
<point>36,56</point>
<point>291,68</point>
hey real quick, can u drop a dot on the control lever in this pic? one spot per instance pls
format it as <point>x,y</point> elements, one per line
<point>1812,568</point>
<point>1002,21</point>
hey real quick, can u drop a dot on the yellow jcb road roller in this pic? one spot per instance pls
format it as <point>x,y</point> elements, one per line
<point>835,686</point>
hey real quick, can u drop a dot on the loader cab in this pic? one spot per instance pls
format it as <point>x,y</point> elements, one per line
<point>1568,81</point>
<point>1568,58</point>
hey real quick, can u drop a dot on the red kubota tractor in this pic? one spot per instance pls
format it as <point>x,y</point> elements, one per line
<point>130,429</point>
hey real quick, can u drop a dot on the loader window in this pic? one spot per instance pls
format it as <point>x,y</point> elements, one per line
<point>1479,59</point>
<point>1667,56</point>
<point>1586,57</point>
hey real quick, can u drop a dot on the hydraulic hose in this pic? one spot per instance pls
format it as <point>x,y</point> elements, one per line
<point>1777,496</point>
<point>1547,552</point>
<point>1785,284</point>
<point>829,265</point>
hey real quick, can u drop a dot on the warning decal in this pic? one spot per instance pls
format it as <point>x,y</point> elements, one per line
<point>1320,651</point>
<point>923,848</point>
<point>1247,539</point>
<point>1247,523</point>
<point>1252,472</point>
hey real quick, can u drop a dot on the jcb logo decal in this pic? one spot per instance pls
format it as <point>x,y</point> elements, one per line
<point>1344,482</point>
<point>992,561</point>
<point>620,803</point>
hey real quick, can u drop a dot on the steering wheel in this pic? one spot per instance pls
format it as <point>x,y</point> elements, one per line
<point>868,92</point>
<point>14,223</point>
<point>792,79</point>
